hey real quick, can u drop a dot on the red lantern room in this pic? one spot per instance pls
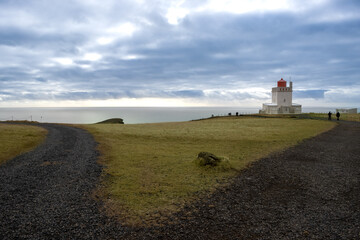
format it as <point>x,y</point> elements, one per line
<point>282,83</point>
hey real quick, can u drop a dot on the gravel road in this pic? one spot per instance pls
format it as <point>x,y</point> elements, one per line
<point>310,191</point>
<point>44,194</point>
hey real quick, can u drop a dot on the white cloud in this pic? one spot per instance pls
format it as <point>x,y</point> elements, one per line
<point>174,15</point>
<point>246,6</point>
<point>105,40</point>
<point>123,30</point>
<point>111,34</point>
<point>85,66</point>
<point>177,11</point>
<point>64,61</point>
<point>132,57</point>
<point>92,56</point>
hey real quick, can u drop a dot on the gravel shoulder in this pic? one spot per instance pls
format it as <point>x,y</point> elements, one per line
<point>310,191</point>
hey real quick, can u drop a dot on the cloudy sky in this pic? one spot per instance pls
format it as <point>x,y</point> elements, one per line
<point>178,52</point>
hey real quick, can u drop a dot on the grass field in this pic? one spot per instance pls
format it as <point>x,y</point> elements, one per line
<point>151,171</point>
<point>18,139</point>
<point>343,116</point>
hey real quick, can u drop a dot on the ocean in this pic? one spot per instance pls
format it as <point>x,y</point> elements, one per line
<point>131,115</point>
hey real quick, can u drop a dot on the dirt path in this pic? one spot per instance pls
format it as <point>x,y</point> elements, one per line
<point>311,191</point>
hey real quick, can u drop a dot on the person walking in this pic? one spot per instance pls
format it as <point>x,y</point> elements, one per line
<point>338,115</point>
<point>329,114</point>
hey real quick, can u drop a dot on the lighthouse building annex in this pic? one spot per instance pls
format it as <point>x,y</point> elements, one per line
<point>281,100</point>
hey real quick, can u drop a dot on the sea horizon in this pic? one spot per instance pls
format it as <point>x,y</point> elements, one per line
<point>130,115</point>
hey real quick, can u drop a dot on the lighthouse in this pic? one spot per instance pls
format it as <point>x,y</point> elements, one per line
<point>281,100</point>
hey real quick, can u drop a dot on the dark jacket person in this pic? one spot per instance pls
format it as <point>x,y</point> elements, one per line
<point>338,115</point>
<point>329,114</point>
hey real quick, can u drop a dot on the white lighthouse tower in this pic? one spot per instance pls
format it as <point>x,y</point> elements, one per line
<point>281,100</point>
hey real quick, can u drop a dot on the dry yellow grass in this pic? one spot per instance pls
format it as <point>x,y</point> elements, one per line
<point>150,167</point>
<point>18,139</point>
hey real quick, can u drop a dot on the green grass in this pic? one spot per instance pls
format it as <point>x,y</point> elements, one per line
<point>343,116</point>
<point>151,171</point>
<point>18,139</point>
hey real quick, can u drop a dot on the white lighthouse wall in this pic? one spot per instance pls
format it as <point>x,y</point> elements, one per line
<point>284,99</point>
<point>274,95</point>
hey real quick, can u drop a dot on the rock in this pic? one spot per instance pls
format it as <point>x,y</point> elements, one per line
<point>206,158</point>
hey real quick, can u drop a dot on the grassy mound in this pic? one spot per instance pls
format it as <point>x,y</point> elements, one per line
<point>112,121</point>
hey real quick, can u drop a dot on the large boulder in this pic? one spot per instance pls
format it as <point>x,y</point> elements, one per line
<point>208,159</point>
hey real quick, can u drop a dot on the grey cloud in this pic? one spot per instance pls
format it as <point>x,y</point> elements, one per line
<point>231,95</point>
<point>78,95</point>
<point>186,93</point>
<point>316,94</point>
<point>253,49</point>
<point>40,79</point>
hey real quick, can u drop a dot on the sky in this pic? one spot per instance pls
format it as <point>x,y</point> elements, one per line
<point>177,52</point>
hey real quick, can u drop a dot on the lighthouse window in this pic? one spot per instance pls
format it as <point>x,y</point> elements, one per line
<point>284,100</point>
